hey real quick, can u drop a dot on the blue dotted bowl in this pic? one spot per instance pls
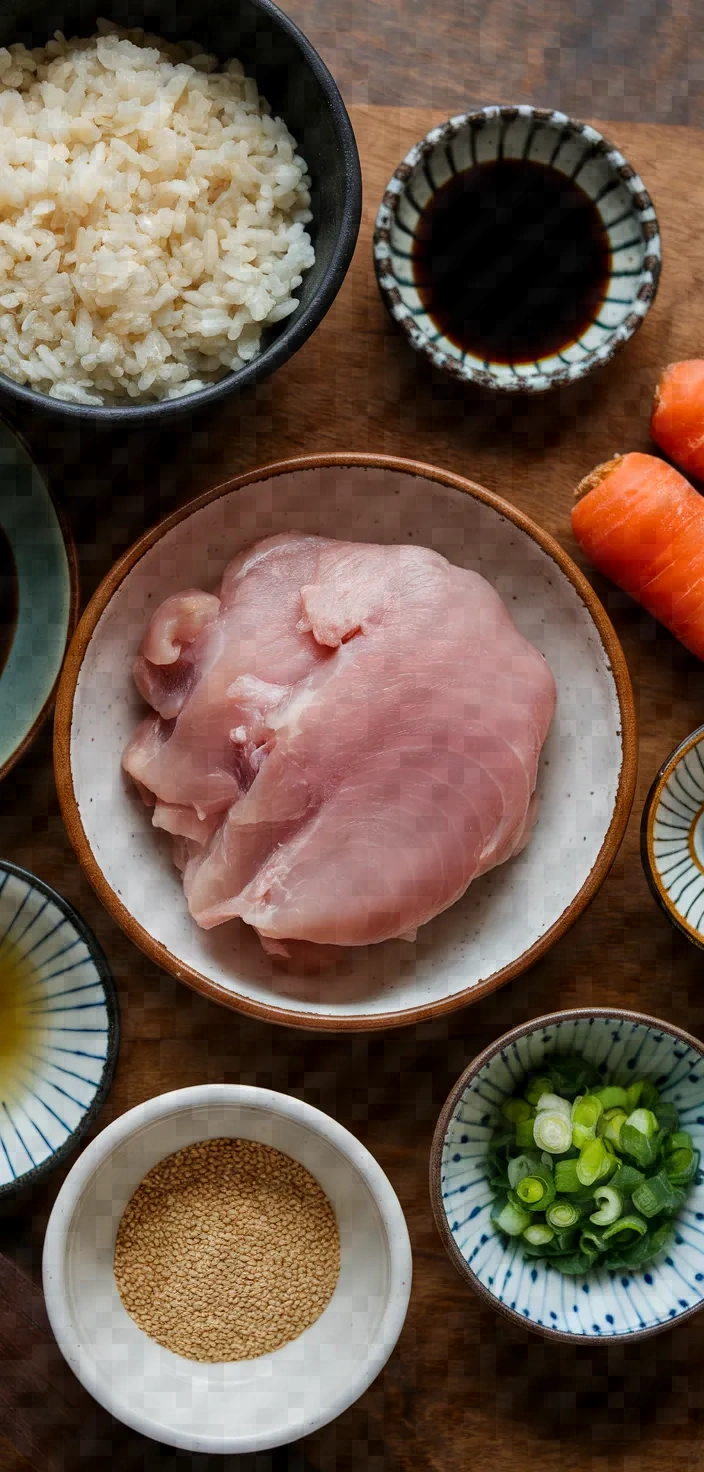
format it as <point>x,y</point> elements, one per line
<point>603,1304</point>
<point>58,1001</point>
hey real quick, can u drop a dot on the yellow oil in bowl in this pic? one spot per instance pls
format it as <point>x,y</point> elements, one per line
<point>22,1027</point>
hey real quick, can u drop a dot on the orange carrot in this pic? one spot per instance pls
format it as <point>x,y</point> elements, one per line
<point>677,425</point>
<point>642,524</point>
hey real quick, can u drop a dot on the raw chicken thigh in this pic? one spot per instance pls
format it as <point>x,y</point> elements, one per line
<point>341,741</point>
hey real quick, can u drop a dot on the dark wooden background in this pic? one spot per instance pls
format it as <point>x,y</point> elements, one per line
<point>464,1387</point>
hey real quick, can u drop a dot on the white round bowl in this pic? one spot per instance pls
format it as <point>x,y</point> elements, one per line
<point>506,919</point>
<point>249,1405</point>
<point>61,1079</point>
<point>614,1305</point>
<point>568,147</point>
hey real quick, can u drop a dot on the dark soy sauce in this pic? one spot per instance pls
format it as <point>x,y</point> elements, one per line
<point>9,598</point>
<point>511,260</point>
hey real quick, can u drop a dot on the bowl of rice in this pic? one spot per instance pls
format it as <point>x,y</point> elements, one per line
<point>180,198</point>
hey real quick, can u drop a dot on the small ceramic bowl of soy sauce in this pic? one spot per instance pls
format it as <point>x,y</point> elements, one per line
<point>517,249</point>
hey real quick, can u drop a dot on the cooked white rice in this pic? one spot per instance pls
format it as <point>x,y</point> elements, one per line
<point>152,216</point>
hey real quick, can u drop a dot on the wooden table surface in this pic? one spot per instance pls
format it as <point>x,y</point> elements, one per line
<point>464,1387</point>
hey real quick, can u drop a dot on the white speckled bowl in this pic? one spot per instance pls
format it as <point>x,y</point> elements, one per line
<point>605,1305</point>
<point>507,919</point>
<point>572,148</point>
<point>67,1001</point>
<point>672,837</point>
<point>248,1405</point>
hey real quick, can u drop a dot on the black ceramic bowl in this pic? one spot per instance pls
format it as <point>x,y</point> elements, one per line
<point>300,89</point>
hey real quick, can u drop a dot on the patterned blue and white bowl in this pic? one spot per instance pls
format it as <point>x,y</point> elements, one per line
<point>672,837</point>
<point>601,1305</point>
<point>59,1029</point>
<point>575,150</point>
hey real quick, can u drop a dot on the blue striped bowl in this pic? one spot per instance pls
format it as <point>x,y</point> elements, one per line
<point>601,1305</point>
<point>58,998</point>
<point>672,837</point>
<point>572,148</point>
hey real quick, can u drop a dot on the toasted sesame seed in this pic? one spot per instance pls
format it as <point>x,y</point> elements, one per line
<point>227,1250</point>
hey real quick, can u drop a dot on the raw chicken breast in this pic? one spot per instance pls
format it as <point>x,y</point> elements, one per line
<point>341,741</point>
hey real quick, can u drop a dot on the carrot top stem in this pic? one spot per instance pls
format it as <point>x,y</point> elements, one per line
<point>596,476</point>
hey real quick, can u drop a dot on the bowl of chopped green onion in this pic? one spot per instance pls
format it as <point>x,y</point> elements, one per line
<point>565,1174</point>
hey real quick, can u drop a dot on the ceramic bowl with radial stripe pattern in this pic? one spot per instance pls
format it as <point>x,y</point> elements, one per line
<point>616,1305</point>
<point>672,837</point>
<point>574,150</point>
<point>59,1029</point>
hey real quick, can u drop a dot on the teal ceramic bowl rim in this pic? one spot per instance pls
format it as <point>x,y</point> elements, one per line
<point>647,825</point>
<point>44,710</point>
<point>491,376</point>
<point>32,1177</point>
<point>569,1014</point>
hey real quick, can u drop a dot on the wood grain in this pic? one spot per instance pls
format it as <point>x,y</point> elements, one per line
<point>463,1388</point>
<point>632,60</point>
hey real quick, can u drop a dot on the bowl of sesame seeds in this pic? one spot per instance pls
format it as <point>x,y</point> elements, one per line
<point>226,1269</point>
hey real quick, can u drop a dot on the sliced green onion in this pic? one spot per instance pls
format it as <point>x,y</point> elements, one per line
<point>611,1162</point>
<point>626,1179</point>
<point>559,1140</point>
<point>516,1110</point>
<point>649,1096</point>
<point>510,1219</point>
<point>639,1137</point>
<point>591,1163</point>
<point>538,1235</point>
<point>562,1215</point>
<point>591,1241</point>
<point>626,1230</point>
<point>538,1086</point>
<point>610,1204</point>
<point>681,1166</point>
<point>554,1104</point>
<point>524,1133</point>
<point>653,1195</point>
<point>552,1128</point>
<point>667,1117</point>
<point>679,1140</point>
<point>614,1122</point>
<point>522,1165</point>
<point>644,1121</point>
<point>536,1190</point>
<point>572,1076</point>
<point>678,1195</point>
<point>644,1249</point>
<point>574,1265</point>
<point>530,1190</point>
<point>586,1113</point>
<point>566,1178</point>
<point>612,1098</point>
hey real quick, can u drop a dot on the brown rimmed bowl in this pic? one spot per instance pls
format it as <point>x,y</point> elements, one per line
<point>614,1306</point>
<point>506,920</point>
<point>39,597</point>
<point>672,837</point>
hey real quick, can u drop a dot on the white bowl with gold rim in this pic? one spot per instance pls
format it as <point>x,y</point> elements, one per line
<point>240,1406</point>
<point>672,837</point>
